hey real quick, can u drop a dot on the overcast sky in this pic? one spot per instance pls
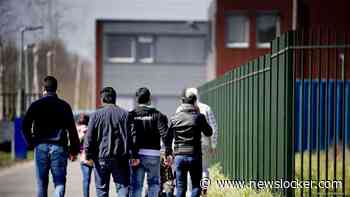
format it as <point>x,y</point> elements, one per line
<point>77,24</point>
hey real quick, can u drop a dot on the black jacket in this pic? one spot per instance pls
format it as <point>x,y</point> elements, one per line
<point>50,118</point>
<point>186,127</point>
<point>108,134</point>
<point>148,126</point>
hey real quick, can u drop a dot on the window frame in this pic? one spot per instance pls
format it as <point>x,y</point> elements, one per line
<point>147,60</point>
<point>247,31</point>
<point>267,45</point>
<point>130,59</point>
<point>203,37</point>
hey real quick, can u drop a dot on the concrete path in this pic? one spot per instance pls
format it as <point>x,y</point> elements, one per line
<point>19,181</point>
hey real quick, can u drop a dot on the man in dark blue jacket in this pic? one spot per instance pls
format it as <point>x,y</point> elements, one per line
<point>107,145</point>
<point>45,127</point>
<point>149,127</point>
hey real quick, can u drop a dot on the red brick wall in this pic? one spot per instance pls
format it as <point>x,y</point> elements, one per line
<point>228,58</point>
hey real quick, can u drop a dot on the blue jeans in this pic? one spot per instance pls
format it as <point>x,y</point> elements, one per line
<point>50,157</point>
<point>183,165</point>
<point>151,166</point>
<point>86,172</point>
<point>119,169</point>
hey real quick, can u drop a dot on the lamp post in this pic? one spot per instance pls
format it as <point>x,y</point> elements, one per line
<point>18,148</point>
<point>20,66</point>
<point>1,82</point>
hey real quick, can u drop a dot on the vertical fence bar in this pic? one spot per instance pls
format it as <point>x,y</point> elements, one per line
<point>252,159</point>
<point>242,126</point>
<point>260,128</point>
<point>221,95</point>
<point>249,121</point>
<point>335,130</point>
<point>222,118</point>
<point>310,107</point>
<point>277,41</point>
<point>302,109</point>
<point>284,67</point>
<point>327,107</point>
<point>236,136</point>
<point>230,120</point>
<point>270,118</point>
<point>281,132</point>
<point>262,118</point>
<point>274,107</point>
<point>344,65</point>
<point>246,122</point>
<point>255,117</point>
<point>319,85</point>
<point>233,91</point>
<point>228,106</point>
<point>240,148</point>
<point>290,107</point>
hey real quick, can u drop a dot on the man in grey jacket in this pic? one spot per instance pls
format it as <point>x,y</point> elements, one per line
<point>107,145</point>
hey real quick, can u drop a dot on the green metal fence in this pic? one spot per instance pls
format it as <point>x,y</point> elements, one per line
<point>252,104</point>
<point>255,110</point>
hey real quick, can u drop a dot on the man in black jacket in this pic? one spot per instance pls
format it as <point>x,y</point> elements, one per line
<point>107,145</point>
<point>186,127</point>
<point>150,126</point>
<point>50,118</point>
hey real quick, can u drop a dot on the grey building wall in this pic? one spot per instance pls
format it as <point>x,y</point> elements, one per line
<point>165,80</point>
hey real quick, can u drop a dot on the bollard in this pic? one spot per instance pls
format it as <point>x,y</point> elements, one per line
<point>20,144</point>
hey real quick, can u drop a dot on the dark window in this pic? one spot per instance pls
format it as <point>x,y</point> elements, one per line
<point>180,49</point>
<point>237,31</point>
<point>145,47</point>
<point>267,28</point>
<point>120,48</point>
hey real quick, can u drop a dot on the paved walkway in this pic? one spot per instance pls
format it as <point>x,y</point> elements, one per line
<point>19,181</point>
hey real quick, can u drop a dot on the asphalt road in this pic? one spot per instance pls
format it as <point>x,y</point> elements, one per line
<point>19,181</point>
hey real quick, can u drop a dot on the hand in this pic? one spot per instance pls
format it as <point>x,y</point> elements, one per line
<point>89,162</point>
<point>135,162</point>
<point>72,157</point>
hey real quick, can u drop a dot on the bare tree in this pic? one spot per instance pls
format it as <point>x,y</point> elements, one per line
<point>8,24</point>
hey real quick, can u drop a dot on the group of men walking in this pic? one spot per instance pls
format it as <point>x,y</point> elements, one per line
<point>126,145</point>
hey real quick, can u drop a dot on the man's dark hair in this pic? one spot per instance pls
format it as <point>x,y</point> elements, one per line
<point>143,95</point>
<point>108,95</point>
<point>189,99</point>
<point>50,84</point>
